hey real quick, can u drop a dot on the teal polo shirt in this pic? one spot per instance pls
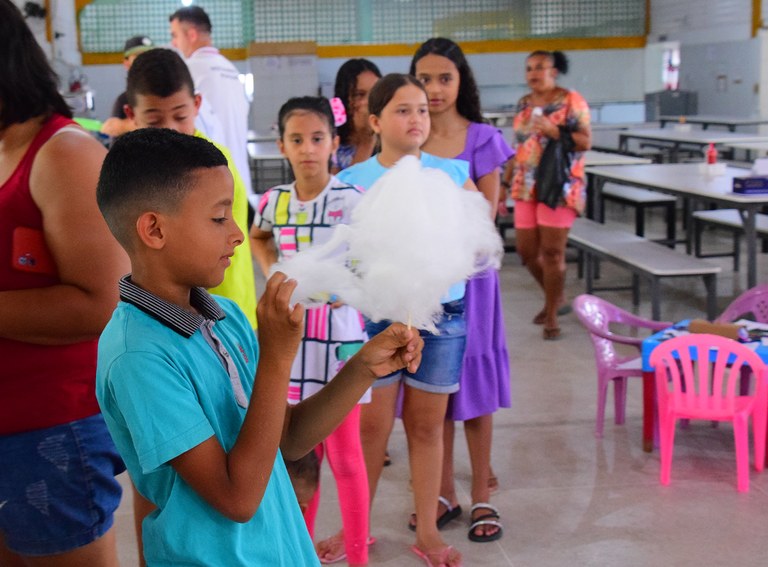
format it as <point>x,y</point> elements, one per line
<point>164,387</point>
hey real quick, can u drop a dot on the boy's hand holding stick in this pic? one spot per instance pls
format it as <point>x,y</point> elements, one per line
<point>396,348</point>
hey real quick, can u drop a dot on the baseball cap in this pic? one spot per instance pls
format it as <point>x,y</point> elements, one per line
<point>137,44</point>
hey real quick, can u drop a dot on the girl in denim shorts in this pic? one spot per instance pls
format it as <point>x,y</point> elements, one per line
<point>399,115</point>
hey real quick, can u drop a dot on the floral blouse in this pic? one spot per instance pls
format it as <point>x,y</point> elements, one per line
<point>569,109</point>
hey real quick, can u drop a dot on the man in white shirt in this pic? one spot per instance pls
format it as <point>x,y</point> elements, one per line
<point>217,80</point>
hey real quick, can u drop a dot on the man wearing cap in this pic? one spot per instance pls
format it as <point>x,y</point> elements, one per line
<point>217,80</point>
<point>119,123</point>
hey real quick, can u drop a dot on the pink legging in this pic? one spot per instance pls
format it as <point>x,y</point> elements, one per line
<point>345,455</point>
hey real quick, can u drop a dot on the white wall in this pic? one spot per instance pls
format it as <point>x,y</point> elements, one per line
<point>718,57</point>
<point>62,50</point>
<point>600,75</point>
<point>37,26</point>
<point>700,21</point>
<point>725,75</point>
<point>275,80</point>
<point>106,82</point>
<point>762,36</point>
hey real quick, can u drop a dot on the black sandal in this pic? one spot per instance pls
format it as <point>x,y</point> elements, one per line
<point>490,519</point>
<point>451,513</point>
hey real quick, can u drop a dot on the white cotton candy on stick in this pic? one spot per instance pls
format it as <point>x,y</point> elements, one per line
<point>413,235</point>
<point>321,271</point>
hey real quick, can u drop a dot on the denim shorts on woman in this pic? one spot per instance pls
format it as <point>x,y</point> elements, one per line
<point>441,359</point>
<point>57,487</point>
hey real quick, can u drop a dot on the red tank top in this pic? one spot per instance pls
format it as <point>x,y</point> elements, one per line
<point>40,386</point>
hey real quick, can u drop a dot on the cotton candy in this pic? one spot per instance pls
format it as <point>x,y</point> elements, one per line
<point>412,235</point>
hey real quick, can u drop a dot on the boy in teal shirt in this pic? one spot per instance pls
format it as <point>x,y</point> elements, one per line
<point>195,406</point>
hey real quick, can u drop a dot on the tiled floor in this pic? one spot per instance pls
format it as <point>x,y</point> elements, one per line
<point>566,498</point>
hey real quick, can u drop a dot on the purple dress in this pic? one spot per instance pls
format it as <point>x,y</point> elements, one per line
<point>485,373</point>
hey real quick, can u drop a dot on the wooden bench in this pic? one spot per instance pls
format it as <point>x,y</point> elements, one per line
<point>642,199</point>
<point>611,242</point>
<point>728,219</point>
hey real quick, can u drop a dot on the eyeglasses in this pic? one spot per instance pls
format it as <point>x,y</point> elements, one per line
<point>538,68</point>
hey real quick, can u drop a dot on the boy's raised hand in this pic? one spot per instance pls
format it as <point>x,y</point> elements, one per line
<point>281,325</point>
<point>395,348</point>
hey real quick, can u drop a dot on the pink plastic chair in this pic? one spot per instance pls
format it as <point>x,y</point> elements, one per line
<point>688,388</point>
<point>752,302</point>
<point>597,315</point>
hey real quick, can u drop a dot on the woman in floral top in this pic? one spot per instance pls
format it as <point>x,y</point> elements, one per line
<point>542,232</point>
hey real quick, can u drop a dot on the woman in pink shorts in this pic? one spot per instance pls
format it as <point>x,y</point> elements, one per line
<point>542,232</point>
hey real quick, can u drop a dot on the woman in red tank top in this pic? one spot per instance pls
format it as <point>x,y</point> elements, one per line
<point>59,267</point>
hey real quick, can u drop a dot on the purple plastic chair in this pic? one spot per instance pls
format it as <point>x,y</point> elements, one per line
<point>752,305</point>
<point>752,302</point>
<point>697,377</point>
<point>597,315</point>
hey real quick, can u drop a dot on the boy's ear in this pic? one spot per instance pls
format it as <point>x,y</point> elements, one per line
<point>198,102</point>
<point>149,227</point>
<point>128,109</point>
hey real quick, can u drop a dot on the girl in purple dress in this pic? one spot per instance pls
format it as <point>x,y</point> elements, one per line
<point>458,131</point>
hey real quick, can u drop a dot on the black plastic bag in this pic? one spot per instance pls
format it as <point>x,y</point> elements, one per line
<point>554,169</point>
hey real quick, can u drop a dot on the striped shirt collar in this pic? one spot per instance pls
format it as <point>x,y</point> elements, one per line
<point>180,320</point>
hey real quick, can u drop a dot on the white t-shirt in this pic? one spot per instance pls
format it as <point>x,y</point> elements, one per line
<point>217,80</point>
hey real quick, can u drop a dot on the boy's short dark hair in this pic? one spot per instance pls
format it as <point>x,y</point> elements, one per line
<point>194,15</point>
<point>149,169</point>
<point>158,72</point>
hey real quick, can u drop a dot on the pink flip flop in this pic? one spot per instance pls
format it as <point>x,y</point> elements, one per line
<point>329,560</point>
<point>442,557</point>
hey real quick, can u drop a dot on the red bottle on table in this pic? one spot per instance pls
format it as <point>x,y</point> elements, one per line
<point>711,154</point>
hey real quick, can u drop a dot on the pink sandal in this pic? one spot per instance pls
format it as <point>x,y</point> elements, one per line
<point>341,555</point>
<point>446,557</point>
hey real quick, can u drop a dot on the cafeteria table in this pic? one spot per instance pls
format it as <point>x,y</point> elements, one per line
<point>707,120</point>
<point>692,181</point>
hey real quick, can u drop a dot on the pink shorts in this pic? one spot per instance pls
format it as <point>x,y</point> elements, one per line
<point>530,214</point>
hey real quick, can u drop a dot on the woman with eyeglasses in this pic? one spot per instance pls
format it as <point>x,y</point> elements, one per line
<point>546,113</point>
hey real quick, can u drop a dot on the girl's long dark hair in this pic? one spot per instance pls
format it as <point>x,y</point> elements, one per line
<point>346,81</point>
<point>468,103</point>
<point>28,84</point>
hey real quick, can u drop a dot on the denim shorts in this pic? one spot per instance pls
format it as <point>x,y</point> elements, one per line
<point>441,359</point>
<point>57,487</point>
